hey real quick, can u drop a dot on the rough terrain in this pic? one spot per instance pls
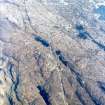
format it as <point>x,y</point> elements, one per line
<point>51,54</point>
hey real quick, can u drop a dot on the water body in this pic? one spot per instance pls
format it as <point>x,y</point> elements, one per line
<point>44,94</point>
<point>41,40</point>
<point>101,10</point>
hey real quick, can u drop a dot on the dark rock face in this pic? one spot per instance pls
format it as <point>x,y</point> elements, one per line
<point>51,53</point>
